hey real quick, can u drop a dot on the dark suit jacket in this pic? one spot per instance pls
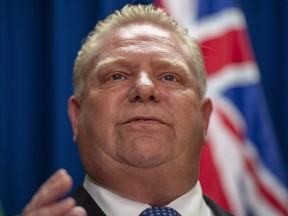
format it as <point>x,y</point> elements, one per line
<point>84,199</point>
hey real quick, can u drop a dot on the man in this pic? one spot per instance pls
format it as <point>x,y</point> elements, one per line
<point>139,116</point>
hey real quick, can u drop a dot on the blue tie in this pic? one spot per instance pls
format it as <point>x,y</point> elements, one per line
<point>159,211</point>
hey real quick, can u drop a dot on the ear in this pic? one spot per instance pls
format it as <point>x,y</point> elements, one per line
<point>206,107</point>
<point>73,111</point>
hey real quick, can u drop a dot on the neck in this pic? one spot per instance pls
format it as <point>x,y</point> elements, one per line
<point>155,186</point>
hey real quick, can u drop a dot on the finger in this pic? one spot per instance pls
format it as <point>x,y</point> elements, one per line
<point>52,190</point>
<point>77,211</point>
<point>60,208</point>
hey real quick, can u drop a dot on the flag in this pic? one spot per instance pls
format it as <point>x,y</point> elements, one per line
<point>241,167</point>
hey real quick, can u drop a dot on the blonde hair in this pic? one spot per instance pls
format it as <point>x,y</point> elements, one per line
<point>131,14</point>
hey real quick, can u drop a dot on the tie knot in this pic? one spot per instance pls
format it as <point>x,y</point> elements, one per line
<point>159,211</point>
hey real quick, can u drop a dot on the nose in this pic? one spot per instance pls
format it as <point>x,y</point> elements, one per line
<point>144,89</point>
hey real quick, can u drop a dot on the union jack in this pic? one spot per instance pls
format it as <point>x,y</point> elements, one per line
<point>240,164</point>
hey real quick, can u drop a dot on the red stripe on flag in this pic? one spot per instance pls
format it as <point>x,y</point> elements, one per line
<point>234,129</point>
<point>208,174</point>
<point>231,47</point>
<point>159,4</point>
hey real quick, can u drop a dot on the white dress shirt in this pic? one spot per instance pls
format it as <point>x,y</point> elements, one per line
<point>189,204</point>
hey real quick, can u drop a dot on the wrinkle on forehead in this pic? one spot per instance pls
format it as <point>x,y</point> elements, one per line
<point>143,46</point>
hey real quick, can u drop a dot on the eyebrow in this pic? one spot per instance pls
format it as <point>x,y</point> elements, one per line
<point>111,60</point>
<point>171,62</point>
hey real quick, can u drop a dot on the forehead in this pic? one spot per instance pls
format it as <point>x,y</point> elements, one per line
<point>141,38</point>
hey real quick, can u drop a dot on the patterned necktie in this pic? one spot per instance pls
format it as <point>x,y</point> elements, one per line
<point>159,211</point>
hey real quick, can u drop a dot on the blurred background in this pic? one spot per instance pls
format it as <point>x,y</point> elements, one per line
<point>39,41</point>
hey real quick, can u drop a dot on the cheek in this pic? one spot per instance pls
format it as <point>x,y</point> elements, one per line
<point>92,117</point>
<point>94,134</point>
<point>99,115</point>
<point>184,105</point>
<point>189,120</point>
<point>187,116</point>
<point>103,105</point>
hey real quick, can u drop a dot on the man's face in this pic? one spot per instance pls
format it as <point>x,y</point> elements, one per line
<point>140,107</point>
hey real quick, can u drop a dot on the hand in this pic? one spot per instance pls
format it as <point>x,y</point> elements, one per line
<point>46,201</point>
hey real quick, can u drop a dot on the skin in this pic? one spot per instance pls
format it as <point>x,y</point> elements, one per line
<point>46,199</point>
<point>140,118</point>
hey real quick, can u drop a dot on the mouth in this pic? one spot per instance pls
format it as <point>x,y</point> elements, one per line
<point>145,120</point>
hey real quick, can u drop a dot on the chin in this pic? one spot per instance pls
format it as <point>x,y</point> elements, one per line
<point>146,160</point>
<point>145,164</point>
<point>145,152</point>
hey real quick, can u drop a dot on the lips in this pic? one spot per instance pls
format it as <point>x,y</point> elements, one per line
<point>144,119</point>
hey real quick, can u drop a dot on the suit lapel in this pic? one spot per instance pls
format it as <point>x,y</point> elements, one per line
<point>216,209</point>
<point>83,198</point>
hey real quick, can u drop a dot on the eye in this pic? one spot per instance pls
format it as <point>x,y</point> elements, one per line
<point>170,78</point>
<point>116,76</point>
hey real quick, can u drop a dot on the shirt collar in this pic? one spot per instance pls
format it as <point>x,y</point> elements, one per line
<point>190,203</point>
